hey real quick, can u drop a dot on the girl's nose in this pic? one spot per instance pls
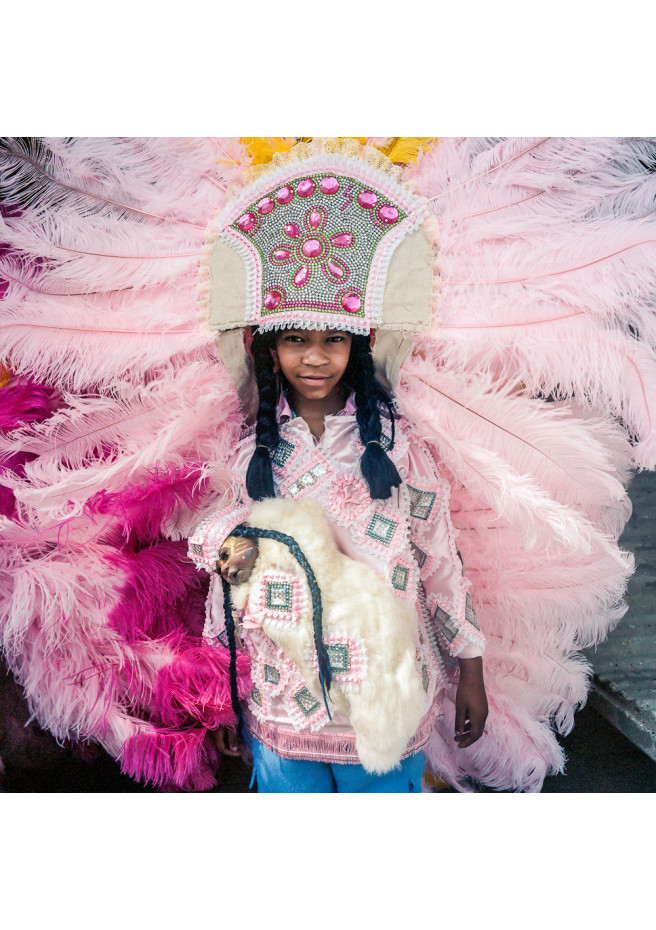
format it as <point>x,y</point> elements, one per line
<point>314,355</point>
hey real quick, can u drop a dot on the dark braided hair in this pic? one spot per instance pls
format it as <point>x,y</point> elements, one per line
<point>259,477</point>
<point>378,470</point>
<point>325,673</point>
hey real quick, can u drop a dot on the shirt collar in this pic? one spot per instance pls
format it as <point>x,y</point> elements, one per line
<point>285,413</point>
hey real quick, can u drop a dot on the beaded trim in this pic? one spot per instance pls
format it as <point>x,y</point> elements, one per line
<point>317,471</point>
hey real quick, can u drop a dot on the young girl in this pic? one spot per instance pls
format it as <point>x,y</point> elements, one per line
<point>388,507</point>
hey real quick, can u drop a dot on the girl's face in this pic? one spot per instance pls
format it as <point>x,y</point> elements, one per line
<point>313,360</point>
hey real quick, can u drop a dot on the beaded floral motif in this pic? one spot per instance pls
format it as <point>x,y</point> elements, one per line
<point>291,234</point>
<point>347,656</point>
<point>317,471</point>
<point>279,598</point>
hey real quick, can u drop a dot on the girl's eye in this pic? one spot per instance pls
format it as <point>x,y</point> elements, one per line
<point>292,338</point>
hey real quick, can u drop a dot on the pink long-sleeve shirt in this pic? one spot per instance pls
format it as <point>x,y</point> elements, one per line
<point>409,539</point>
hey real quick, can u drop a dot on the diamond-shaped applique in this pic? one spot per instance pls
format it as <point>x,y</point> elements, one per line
<point>339,657</point>
<point>278,595</point>
<point>257,696</point>
<point>282,453</point>
<point>447,625</point>
<point>400,577</point>
<point>271,674</point>
<point>381,528</point>
<point>197,548</point>
<point>307,702</point>
<point>347,656</point>
<point>421,502</point>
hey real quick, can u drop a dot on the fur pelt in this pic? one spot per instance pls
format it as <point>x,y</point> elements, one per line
<point>386,710</point>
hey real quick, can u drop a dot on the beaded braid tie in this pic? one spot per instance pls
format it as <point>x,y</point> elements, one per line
<point>325,674</point>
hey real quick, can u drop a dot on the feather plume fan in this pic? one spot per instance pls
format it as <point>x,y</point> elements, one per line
<point>535,390</point>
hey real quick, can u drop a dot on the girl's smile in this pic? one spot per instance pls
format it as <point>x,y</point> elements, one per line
<point>313,361</point>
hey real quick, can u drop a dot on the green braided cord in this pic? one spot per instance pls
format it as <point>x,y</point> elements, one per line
<point>325,674</point>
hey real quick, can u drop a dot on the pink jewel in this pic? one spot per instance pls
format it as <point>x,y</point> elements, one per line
<point>285,195</point>
<point>351,302</point>
<point>312,247</point>
<point>282,255</point>
<point>306,188</point>
<point>343,240</point>
<point>266,205</point>
<point>337,271</point>
<point>272,300</point>
<point>246,222</point>
<point>292,230</point>
<point>367,199</point>
<point>328,185</point>
<point>315,219</point>
<point>302,276</point>
<point>388,214</point>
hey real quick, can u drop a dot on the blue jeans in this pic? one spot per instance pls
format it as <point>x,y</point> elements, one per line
<point>275,774</point>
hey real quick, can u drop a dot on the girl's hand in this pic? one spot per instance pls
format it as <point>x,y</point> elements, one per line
<point>226,741</point>
<point>471,703</point>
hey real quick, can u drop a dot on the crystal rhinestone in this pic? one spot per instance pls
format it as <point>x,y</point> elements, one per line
<point>302,276</point>
<point>272,300</point>
<point>246,222</point>
<point>315,219</point>
<point>265,206</point>
<point>343,240</point>
<point>351,302</point>
<point>292,230</point>
<point>282,255</point>
<point>312,248</point>
<point>285,195</point>
<point>367,199</point>
<point>306,188</point>
<point>388,214</point>
<point>336,269</point>
<point>329,185</point>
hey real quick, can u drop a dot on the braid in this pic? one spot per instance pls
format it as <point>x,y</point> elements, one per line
<point>254,532</point>
<point>230,630</point>
<point>378,470</point>
<point>259,477</point>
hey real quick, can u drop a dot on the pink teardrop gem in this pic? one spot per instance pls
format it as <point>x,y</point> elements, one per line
<point>292,230</point>
<point>306,188</point>
<point>388,214</point>
<point>246,222</point>
<point>282,255</point>
<point>285,195</point>
<point>311,248</point>
<point>315,219</point>
<point>351,302</point>
<point>367,199</point>
<point>302,276</point>
<point>272,300</point>
<point>329,185</point>
<point>266,205</point>
<point>343,240</point>
<point>337,271</point>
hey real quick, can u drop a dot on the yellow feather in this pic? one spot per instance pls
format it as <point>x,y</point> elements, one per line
<point>5,376</point>
<point>263,148</point>
<point>406,149</point>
